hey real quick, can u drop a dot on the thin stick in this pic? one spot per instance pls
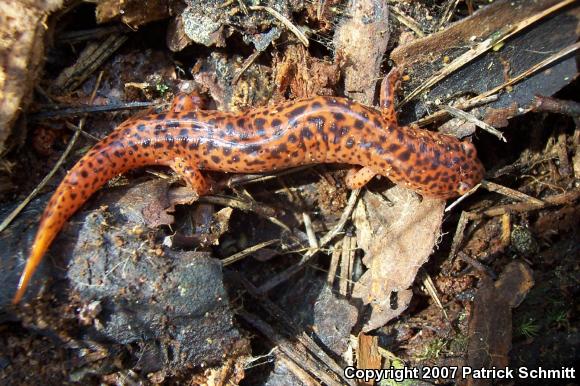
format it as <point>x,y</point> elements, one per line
<point>240,255</point>
<point>89,109</point>
<point>60,161</point>
<point>295,30</point>
<point>479,123</point>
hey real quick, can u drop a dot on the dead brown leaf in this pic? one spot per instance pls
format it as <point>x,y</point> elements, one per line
<point>398,232</point>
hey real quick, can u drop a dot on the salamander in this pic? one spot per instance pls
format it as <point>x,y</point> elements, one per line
<point>315,130</point>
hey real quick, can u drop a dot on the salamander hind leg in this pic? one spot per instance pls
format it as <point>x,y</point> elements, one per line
<point>192,176</point>
<point>357,178</point>
<point>187,102</point>
<point>387,95</point>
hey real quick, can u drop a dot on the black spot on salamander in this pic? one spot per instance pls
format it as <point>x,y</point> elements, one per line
<point>276,122</point>
<point>84,174</point>
<point>405,155</point>
<point>400,136</point>
<point>240,123</point>
<point>193,145</point>
<point>377,123</point>
<point>259,123</point>
<point>159,129</point>
<point>281,149</point>
<point>393,147</point>
<point>227,151</point>
<point>230,129</point>
<point>306,133</point>
<point>349,143</point>
<point>133,145</point>
<point>158,145</point>
<point>292,138</point>
<point>216,159</point>
<point>170,141</point>
<point>250,149</point>
<point>161,116</point>
<point>411,148</point>
<point>316,105</point>
<point>296,112</point>
<point>294,154</point>
<point>113,136</point>
<point>358,124</point>
<point>146,142</point>
<point>423,147</point>
<point>184,132</point>
<point>338,117</point>
<point>173,123</point>
<point>119,153</point>
<point>189,115</point>
<point>141,127</point>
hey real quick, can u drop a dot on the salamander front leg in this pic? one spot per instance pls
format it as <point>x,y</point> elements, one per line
<point>187,102</point>
<point>387,95</point>
<point>192,176</point>
<point>357,178</point>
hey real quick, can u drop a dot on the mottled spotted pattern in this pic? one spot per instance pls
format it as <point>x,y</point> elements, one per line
<point>310,131</point>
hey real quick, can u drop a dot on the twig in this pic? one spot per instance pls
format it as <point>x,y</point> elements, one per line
<point>304,338</point>
<point>89,109</point>
<point>467,105</point>
<point>407,21</point>
<point>558,199</point>
<point>494,39</point>
<point>297,354</point>
<point>493,187</point>
<point>449,9</point>
<point>312,240</point>
<point>240,255</point>
<point>470,118</point>
<point>295,30</point>
<point>60,161</point>
<point>432,291</point>
<point>463,197</point>
<point>559,106</point>
<point>245,66</point>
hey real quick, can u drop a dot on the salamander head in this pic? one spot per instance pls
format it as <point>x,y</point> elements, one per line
<point>473,174</point>
<point>441,168</point>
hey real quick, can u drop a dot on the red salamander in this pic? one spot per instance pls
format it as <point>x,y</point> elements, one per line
<point>309,131</point>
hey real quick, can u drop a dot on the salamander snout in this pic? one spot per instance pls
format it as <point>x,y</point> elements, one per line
<point>472,171</point>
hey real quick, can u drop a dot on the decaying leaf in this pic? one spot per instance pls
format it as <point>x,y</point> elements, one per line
<point>397,231</point>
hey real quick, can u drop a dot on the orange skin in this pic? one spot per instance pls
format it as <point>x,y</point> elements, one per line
<point>309,131</point>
